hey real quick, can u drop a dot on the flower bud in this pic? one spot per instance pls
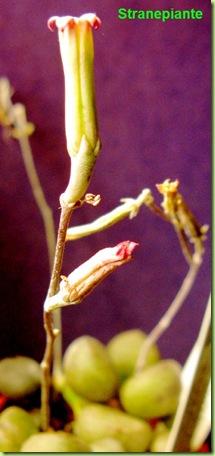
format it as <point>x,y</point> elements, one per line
<point>77,53</point>
<point>75,287</point>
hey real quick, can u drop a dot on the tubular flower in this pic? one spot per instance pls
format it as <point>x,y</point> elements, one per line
<point>83,143</point>
<point>88,275</point>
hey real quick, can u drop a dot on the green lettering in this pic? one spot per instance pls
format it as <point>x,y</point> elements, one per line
<point>186,14</point>
<point>157,14</point>
<point>165,15</point>
<point>192,12</point>
<point>199,14</point>
<point>122,13</point>
<point>177,14</point>
<point>131,13</point>
<point>149,14</point>
<point>141,14</point>
<point>172,13</point>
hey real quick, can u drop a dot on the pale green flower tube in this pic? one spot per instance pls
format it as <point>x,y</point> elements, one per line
<point>83,143</point>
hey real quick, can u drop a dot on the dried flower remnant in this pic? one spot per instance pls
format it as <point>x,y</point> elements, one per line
<point>22,127</point>
<point>75,287</point>
<point>13,117</point>
<point>83,143</point>
<point>188,229</point>
<point>189,233</point>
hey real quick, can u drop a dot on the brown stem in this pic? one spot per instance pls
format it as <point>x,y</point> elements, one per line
<point>183,241</point>
<point>46,370</point>
<point>66,212</point>
<point>51,332</point>
<point>158,211</point>
<point>185,247</point>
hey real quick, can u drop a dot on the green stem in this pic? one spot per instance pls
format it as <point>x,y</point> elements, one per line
<point>76,402</point>
<point>129,208</point>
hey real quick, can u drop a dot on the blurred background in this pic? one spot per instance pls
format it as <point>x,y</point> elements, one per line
<point>153,96</point>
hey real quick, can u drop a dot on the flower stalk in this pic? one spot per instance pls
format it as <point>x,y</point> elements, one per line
<point>129,208</point>
<point>83,145</point>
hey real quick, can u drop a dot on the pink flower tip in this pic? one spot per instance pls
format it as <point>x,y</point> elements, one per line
<point>60,23</point>
<point>92,19</point>
<point>125,249</point>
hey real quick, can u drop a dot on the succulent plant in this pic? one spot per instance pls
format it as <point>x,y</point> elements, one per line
<point>160,438</point>
<point>154,392</point>
<point>124,348</point>
<point>109,445</point>
<point>19,376</point>
<point>16,425</point>
<point>98,421</point>
<point>88,369</point>
<point>54,441</point>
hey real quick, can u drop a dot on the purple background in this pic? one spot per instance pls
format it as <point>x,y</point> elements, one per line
<point>153,97</point>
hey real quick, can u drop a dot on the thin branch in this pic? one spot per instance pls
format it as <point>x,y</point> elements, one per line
<point>46,369</point>
<point>14,121</point>
<point>158,211</point>
<point>129,208</point>
<point>60,246</point>
<point>184,244</point>
<point>20,121</point>
<point>169,315</point>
